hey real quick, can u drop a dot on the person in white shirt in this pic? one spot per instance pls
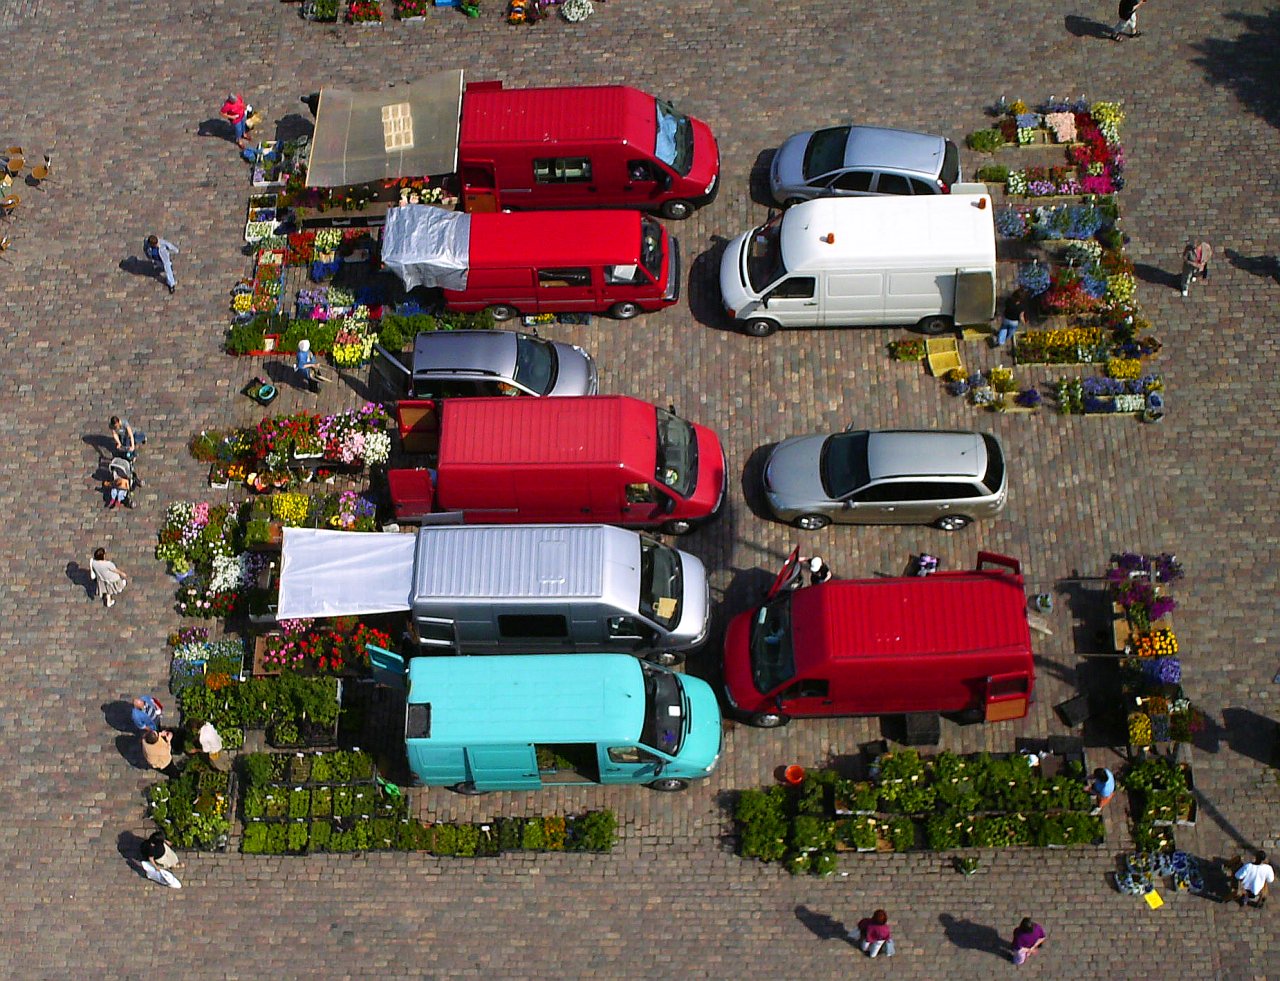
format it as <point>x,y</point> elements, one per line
<point>1254,878</point>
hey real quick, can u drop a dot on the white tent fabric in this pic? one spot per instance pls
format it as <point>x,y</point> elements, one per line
<point>344,573</point>
<point>427,246</point>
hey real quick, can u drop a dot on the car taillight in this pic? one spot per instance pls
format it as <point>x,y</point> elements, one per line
<point>946,188</point>
<point>733,314</point>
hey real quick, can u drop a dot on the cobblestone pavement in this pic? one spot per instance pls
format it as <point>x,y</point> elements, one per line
<point>121,89</point>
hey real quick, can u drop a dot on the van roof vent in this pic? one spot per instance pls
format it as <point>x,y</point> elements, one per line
<point>417,724</point>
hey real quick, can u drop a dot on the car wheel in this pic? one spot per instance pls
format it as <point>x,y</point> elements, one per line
<point>792,202</point>
<point>934,325</point>
<point>502,311</point>
<point>769,720</point>
<point>624,311</point>
<point>681,526</point>
<point>676,210</point>
<point>670,785</point>
<point>467,789</point>
<point>812,522</point>
<point>759,327</point>
<point>953,522</point>
<point>668,659</point>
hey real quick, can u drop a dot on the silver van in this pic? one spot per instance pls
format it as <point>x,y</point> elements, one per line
<point>944,478</point>
<point>505,589</point>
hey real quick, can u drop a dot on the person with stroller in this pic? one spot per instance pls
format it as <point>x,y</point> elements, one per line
<point>118,487</point>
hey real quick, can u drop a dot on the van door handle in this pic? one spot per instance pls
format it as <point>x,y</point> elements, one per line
<point>811,303</point>
<point>828,702</point>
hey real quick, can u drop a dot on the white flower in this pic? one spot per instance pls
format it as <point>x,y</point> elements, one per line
<point>377,448</point>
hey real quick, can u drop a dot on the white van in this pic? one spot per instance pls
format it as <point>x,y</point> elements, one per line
<point>928,260</point>
<point>506,589</point>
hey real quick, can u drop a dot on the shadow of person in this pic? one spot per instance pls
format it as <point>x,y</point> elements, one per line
<point>129,746</point>
<point>822,926</point>
<point>129,845</point>
<point>139,267</point>
<point>968,935</point>
<point>1156,276</point>
<point>218,127</point>
<point>1086,27</point>
<point>79,576</point>
<point>1255,265</point>
<point>119,715</point>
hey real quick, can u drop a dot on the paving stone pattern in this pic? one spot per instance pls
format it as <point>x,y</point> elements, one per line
<point>121,90</point>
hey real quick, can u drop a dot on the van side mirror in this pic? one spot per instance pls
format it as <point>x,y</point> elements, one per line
<point>658,768</point>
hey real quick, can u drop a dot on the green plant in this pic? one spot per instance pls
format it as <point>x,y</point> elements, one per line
<point>912,798</point>
<point>902,834</point>
<point>254,839</point>
<point>445,839</point>
<point>985,140</point>
<point>762,820</point>
<point>1069,829</point>
<point>1156,773</point>
<point>321,831</point>
<point>812,797</point>
<point>595,831</point>
<point>256,769</point>
<point>299,803</point>
<point>993,173</point>
<point>245,337</point>
<point>798,864</point>
<point>468,840</point>
<point>532,835</point>
<point>298,836</point>
<point>321,802</point>
<point>1000,830</point>
<point>324,10</point>
<point>945,830</point>
<point>968,864</point>
<point>860,832</point>
<point>824,864</point>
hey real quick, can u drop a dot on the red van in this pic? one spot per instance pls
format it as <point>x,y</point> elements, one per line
<point>618,262</point>
<point>607,146</point>
<point>579,459</point>
<point>947,642</point>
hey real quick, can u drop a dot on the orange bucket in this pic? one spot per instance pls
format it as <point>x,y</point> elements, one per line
<point>794,774</point>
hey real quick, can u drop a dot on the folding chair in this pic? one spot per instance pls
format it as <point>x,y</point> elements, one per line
<point>40,172</point>
<point>9,205</point>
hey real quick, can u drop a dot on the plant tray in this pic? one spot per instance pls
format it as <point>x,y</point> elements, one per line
<point>1009,402</point>
<point>943,354</point>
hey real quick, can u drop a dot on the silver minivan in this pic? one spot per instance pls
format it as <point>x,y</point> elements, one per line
<point>944,478</point>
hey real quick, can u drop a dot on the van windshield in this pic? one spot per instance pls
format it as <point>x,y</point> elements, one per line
<point>677,465</point>
<point>660,583</point>
<point>651,247</point>
<point>535,364</point>
<point>772,657</point>
<point>664,710</point>
<point>673,144</point>
<point>764,256</point>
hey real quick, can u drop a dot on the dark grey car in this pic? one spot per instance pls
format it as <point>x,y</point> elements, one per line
<point>860,160</point>
<point>482,363</point>
<point>944,478</point>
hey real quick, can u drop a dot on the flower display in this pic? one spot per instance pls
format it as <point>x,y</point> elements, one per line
<point>1124,368</point>
<point>1034,278</point>
<point>352,508</point>
<point>1108,116</point>
<point>1062,125</point>
<point>1156,643</point>
<point>1121,289</point>
<point>290,509</point>
<point>364,12</point>
<point>1061,345</point>
<point>1017,182</point>
<point>1011,223</point>
<point>1139,729</point>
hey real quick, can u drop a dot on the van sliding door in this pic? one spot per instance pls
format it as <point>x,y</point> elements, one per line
<point>975,296</point>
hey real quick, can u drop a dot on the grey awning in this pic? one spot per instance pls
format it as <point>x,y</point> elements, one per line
<point>427,246</point>
<point>405,131</point>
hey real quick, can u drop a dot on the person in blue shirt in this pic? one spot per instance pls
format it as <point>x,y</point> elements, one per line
<point>305,366</point>
<point>146,713</point>
<point>160,251</point>
<point>1103,787</point>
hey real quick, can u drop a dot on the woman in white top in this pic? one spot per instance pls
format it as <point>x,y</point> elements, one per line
<point>110,580</point>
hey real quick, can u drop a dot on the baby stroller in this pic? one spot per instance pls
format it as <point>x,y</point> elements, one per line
<point>122,482</point>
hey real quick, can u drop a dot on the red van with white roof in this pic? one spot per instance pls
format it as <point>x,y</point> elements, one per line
<point>947,642</point>
<point>605,146</point>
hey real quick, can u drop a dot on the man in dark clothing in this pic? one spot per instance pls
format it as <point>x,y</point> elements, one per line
<point>1128,22</point>
<point>1015,315</point>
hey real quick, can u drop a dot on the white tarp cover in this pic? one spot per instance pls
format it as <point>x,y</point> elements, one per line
<point>427,246</point>
<point>403,131</point>
<point>344,573</point>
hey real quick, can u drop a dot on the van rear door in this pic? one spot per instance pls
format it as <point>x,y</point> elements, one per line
<point>391,372</point>
<point>975,296</point>
<point>1008,696</point>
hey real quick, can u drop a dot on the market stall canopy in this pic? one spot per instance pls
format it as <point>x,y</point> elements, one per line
<point>344,573</point>
<point>406,131</point>
<point>427,246</point>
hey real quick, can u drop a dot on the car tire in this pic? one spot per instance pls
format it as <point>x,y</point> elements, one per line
<point>669,785</point>
<point>677,210</point>
<point>681,526</point>
<point>502,312</point>
<point>625,310</point>
<point>935,325</point>
<point>812,522</point>
<point>467,789</point>
<point>953,522</point>
<point>759,327</point>
<point>768,720</point>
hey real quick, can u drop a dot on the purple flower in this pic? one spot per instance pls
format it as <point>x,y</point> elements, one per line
<point>1162,606</point>
<point>1164,670</point>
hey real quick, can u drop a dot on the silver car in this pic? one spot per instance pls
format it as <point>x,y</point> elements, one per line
<point>859,160</point>
<point>482,363</point>
<point>944,478</point>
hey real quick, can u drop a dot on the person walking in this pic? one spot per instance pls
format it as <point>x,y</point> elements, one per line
<point>234,110</point>
<point>1127,25</point>
<point>158,850</point>
<point>1102,785</point>
<point>159,250</point>
<point>146,714</point>
<point>873,935</point>
<point>1014,316</point>
<point>1195,263</point>
<point>1027,939</point>
<point>126,438</point>
<point>110,579</point>
<point>211,745</point>
<point>157,750</point>
<point>1254,880</point>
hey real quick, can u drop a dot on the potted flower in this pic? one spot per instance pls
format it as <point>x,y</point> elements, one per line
<point>364,12</point>
<point>958,381</point>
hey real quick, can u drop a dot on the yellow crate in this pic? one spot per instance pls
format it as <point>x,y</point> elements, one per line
<point>943,354</point>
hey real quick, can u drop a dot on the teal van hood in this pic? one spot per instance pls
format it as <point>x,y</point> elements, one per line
<point>701,750</point>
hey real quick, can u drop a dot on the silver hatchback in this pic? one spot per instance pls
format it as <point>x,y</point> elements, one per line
<point>944,478</point>
<point>860,160</point>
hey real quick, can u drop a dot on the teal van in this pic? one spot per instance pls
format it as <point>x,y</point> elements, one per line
<point>524,721</point>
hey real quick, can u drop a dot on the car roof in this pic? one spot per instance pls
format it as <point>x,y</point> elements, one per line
<point>473,351</point>
<point>894,149</point>
<point>925,453</point>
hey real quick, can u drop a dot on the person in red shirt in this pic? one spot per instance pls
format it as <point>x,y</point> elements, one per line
<point>873,934</point>
<point>233,111</point>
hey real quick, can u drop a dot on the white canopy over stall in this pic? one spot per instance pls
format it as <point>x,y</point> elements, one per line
<point>427,246</point>
<point>344,573</point>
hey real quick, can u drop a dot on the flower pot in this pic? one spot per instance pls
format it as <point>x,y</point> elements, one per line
<point>794,775</point>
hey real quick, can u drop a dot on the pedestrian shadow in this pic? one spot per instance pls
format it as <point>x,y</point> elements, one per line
<point>102,445</point>
<point>138,267</point>
<point>293,126</point>
<point>1255,265</point>
<point>1087,27</point>
<point>822,926</point>
<point>968,935</point>
<point>129,746</point>
<point>1156,276</point>
<point>218,128</point>
<point>129,845</point>
<point>79,576</point>
<point>119,715</point>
